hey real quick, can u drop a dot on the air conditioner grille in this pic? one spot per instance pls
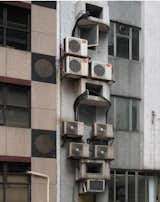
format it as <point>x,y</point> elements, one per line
<point>72,128</point>
<point>99,70</point>
<point>75,66</point>
<point>43,68</point>
<point>74,46</point>
<point>101,151</point>
<point>96,185</point>
<point>77,150</point>
<point>101,129</point>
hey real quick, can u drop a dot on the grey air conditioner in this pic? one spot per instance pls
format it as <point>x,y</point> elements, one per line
<point>91,186</point>
<point>93,169</point>
<point>78,150</point>
<point>101,71</point>
<point>102,131</point>
<point>73,129</point>
<point>104,152</point>
<point>76,46</point>
<point>75,67</point>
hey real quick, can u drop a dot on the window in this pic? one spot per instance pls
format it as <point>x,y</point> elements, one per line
<point>124,113</point>
<point>14,105</point>
<point>127,186</point>
<point>15,27</point>
<point>123,41</point>
<point>14,183</point>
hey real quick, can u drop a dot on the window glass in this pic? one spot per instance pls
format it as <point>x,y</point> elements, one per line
<point>17,96</point>
<point>122,114</point>
<point>17,193</point>
<point>122,29</point>
<point>122,47</point>
<point>120,188</point>
<point>111,40</point>
<point>17,178</point>
<point>1,15</point>
<point>1,115</point>
<point>143,195</point>
<point>135,116</point>
<point>1,193</point>
<point>111,189</point>
<point>1,35</point>
<point>131,188</point>
<point>135,44</point>
<point>110,114</point>
<point>17,117</point>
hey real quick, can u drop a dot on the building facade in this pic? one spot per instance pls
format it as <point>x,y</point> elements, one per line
<point>51,99</point>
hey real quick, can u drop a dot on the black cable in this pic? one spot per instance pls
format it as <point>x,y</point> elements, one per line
<point>85,15</point>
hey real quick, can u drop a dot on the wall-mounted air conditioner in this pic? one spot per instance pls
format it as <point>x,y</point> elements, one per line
<point>91,186</point>
<point>93,169</point>
<point>78,150</point>
<point>73,129</point>
<point>102,131</point>
<point>104,152</point>
<point>76,46</point>
<point>101,71</point>
<point>75,67</point>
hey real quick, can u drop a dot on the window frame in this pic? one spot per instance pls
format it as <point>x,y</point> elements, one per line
<point>4,26</point>
<point>4,106</point>
<point>4,173</point>
<point>114,113</point>
<point>130,37</point>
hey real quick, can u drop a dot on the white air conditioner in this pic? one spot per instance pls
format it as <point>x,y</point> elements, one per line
<point>102,131</point>
<point>101,71</point>
<point>76,67</point>
<point>73,129</point>
<point>76,46</point>
<point>93,169</point>
<point>103,152</point>
<point>91,186</point>
<point>78,150</point>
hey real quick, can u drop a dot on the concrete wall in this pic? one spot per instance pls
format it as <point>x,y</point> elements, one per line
<point>128,77</point>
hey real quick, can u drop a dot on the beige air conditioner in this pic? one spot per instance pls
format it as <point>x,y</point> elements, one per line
<point>101,71</point>
<point>104,152</point>
<point>102,131</point>
<point>73,129</point>
<point>76,46</point>
<point>93,169</point>
<point>76,67</point>
<point>78,150</point>
<point>91,186</point>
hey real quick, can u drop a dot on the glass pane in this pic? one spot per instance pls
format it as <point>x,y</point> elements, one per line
<point>120,188</point>
<point>17,193</point>
<point>1,35</point>
<point>111,39</point>
<point>1,193</point>
<point>1,115</point>
<point>135,115</point>
<point>17,117</point>
<point>143,195</point>
<point>111,189</point>
<point>17,17</point>
<point>131,188</point>
<point>17,96</point>
<point>122,29</point>
<point>17,39</point>
<point>17,178</point>
<point>135,44</point>
<point>122,114</point>
<point>110,114</point>
<point>1,14</point>
<point>122,47</point>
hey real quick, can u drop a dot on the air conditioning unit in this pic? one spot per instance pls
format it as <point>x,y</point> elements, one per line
<point>76,46</point>
<point>73,129</point>
<point>78,150</point>
<point>91,186</point>
<point>100,70</point>
<point>93,169</point>
<point>102,131</point>
<point>103,152</point>
<point>76,67</point>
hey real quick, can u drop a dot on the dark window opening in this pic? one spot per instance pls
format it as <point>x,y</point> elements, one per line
<point>15,105</point>
<point>135,44</point>
<point>122,47</point>
<point>111,40</point>
<point>94,11</point>
<point>93,167</point>
<point>94,89</point>
<point>15,27</point>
